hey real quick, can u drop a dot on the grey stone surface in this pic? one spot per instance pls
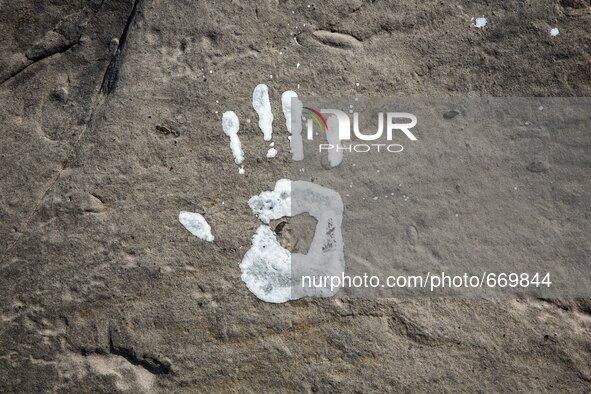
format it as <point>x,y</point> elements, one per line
<point>102,290</point>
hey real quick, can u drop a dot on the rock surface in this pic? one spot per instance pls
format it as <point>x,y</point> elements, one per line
<point>103,291</point>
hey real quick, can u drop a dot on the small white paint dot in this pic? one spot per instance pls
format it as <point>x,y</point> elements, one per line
<point>298,65</point>
<point>554,32</point>
<point>480,23</point>
<point>357,84</point>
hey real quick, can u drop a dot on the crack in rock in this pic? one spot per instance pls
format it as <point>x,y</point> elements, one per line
<point>65,35</point>
<point>111,76</point>
<point>150,363</point>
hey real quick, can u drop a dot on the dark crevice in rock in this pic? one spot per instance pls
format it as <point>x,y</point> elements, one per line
<point>111,76</point>
<point>30,62</point>
<point>71,32</point>
<point>99,7</point>
<point>168,130</point>
<point>14,73</point>
<point>562,304</point>
<point>150,364</point>
<point>65,35</point>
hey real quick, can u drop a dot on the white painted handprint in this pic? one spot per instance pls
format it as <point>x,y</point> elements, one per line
<point>270,271</point>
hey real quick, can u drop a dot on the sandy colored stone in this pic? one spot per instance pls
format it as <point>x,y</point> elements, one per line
<point>110,128</point>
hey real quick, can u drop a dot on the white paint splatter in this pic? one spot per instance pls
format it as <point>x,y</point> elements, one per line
<point>241,170</point>
<point>480,22</point>
<point>270,205</point>
<point>335,153</point>
<point>554,32</point>
<point>274,274</point>
<point>262,105</point>
<point>286,98</point>
<point>196,224</point>
<point>231,124</point>
<point>266,268</point>
<point>292,110</point>
<point>271,153</point>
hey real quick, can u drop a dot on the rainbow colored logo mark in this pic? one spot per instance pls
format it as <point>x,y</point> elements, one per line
<point>318,118</point>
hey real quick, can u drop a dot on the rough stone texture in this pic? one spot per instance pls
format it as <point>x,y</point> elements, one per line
<point>109,129</point>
